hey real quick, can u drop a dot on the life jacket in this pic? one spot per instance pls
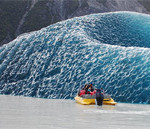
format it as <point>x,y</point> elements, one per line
<point>82,92</point>
<point>92,93</point>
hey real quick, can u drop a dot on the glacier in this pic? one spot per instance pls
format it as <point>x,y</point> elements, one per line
<point>111,50</point>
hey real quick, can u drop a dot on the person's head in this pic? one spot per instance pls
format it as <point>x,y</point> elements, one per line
<point>86,85</point>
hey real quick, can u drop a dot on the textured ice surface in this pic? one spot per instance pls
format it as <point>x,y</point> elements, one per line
<point>33,113</point>
<point>110,50</point>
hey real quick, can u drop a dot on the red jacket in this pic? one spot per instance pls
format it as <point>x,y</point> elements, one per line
<point>82,92</point>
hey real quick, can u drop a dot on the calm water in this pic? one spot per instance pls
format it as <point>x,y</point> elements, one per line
<point>34,113</point>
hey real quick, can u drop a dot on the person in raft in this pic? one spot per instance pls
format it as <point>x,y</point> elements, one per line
<point>91,87</point>
<point>87,89</point>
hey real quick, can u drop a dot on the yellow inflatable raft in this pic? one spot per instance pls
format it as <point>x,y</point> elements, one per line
<point>88,100</point>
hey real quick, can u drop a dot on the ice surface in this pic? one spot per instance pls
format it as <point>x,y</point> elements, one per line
<point>33,113</point>
<point>111,50</point>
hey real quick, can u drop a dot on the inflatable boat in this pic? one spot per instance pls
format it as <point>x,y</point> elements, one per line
<point>88,99</point>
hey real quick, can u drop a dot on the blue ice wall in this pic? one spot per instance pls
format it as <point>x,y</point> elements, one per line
<point>111,50</point>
